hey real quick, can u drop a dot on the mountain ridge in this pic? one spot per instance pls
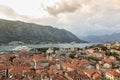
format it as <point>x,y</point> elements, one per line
<point>33,33</point>
<point>115,37</point>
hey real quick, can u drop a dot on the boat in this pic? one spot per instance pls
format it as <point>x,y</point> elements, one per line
<point>72,43</point>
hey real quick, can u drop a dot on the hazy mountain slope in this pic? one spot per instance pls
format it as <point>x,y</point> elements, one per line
<point>33,33</point>
<point>104,38</point>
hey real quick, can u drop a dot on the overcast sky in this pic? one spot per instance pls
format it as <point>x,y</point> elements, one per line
<point>81,17</point>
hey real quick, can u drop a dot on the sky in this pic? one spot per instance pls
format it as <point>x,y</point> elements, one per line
<point>81,17</point>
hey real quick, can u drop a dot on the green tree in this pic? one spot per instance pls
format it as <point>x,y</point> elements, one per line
<point>12,58</point>
<point>72,55</point>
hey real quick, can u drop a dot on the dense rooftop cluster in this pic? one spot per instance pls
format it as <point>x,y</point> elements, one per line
<point>97,62</point>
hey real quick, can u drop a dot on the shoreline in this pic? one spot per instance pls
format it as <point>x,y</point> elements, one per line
<point>7,48</point>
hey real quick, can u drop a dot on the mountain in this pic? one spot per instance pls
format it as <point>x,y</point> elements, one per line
<point>33,33</point>
<point>115,37</point>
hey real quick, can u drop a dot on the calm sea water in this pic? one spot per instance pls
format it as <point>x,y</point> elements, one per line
<point>7,48</point>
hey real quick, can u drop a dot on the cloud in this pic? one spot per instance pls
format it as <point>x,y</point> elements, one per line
<point>66,6</point>
<point>7,11</point>
<point>10,13</point>
<point>116,4</point>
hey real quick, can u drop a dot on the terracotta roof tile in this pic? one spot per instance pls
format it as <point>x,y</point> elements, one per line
<point>89,72</point>
<point>2,67</point>
<point>96,75</point>
<point>18,69</point>
<point>113,73</point>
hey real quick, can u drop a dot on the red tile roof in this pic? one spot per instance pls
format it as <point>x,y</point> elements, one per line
<point>96,75</point>
<point>2,67</point>
<point>18,69</point>
<point>89,72</point>
<point>1,77</point>
<point>38,57</point>
<point>30,73</point>
<point>113,73</point>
